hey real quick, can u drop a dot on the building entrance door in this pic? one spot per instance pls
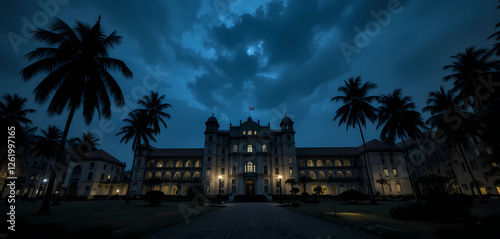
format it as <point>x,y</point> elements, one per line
<point>250,187</point>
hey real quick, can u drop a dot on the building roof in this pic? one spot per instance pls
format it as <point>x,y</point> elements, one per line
<point>179,152</point>
<point>103,156</point>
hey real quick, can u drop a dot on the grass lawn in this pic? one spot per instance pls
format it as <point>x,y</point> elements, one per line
<point>110,219</point>
<point>377,218</point>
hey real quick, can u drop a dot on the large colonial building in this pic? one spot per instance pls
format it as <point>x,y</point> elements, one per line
<point>250,158</point>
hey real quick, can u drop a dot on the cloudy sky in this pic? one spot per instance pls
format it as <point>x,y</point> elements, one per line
<point>223,56</point>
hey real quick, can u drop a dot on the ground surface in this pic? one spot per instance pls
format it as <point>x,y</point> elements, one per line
<point>377,219</point>
<point>110,218</point>
<point>254,221</point>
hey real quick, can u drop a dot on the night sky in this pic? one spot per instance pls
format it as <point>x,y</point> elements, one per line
<point>223,56</point>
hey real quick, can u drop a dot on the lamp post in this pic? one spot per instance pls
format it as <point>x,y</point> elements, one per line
<point>279,184</point>
<point>220,186</point>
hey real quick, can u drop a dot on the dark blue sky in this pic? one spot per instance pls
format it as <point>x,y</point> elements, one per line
<point>222,56</point>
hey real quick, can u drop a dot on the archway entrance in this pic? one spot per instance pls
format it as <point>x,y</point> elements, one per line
<point>250,187</point>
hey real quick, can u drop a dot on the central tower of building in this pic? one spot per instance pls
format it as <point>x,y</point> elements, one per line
<point>248,159</point>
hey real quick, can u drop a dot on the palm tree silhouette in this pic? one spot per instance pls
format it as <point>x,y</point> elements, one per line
<point>153,110</point>
<point>13,113</point>
<point>467,69</point>
<point>77,64</point>
<point>87,143</point>
<point>139,130</point>
<point>46,147</point>
<point>399,120</point>
<point>454,122</point>
<point>355,111</point>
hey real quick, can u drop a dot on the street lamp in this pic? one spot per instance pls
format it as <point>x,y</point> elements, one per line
<point>279,184</point>
<point>220,186</point>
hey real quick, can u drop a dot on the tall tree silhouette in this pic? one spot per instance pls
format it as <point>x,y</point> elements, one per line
<point>45,148</point>
<point>399,120</point>
<point>356,110</point>
<point>77,65</point>
<point>467,68</point>
<point>13,112</point>
<point>139,130</point>
<point>153,110</point>
<point>455,123</point>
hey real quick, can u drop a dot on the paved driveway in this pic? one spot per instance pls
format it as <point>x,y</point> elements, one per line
<point>256,220</point>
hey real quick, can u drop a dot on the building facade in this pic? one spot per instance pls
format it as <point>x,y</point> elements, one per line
<point>250,159</point>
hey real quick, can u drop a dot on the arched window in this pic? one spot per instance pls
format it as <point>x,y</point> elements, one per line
<point>158,175</point>
<point>148,175</point>
<point>151,163</point>
<point>188,164</point>
<point>319,163</point>
<point>249,167</point>
<point>312,175</point>
<point>321,175</point>
<point>302,163</point>
<point>340,174</point>
<point>187,176</point>
<point>177,176</point>
<point>329,163</point>
<point>196,176</point>
<point>159,164</point>
<point>302,174</point>
<point>310,163</point>
<point>168,176</point>
<point>347,163</point>
<point>348,174</point>
<point>330,174</point>
<point>178,164</point>
<point>165,190</point>
<point>170,164</point>
<point>333,190</point>
<point>342,188</point>
<point>197,164</point>
<point>337,163</point>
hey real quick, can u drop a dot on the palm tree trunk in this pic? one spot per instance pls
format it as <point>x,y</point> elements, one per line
<point>409,172</point>
<point>372,198</point>
<point>44,209</point>
<point>36,173</point>
<point>43,175</point>
<point>481,199</point>
<point>127,200</point>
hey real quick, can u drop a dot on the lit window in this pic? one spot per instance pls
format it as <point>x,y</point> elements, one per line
<point>249,167</point>
<point>264,148</point>
<point>109,176</point>
<point>290,160</point>
<point>249,132</point>
<point>483,190</point>
<point>235,148</point>
<point>208,172</point>
<point>494,164</point>
<point>291,171</point>
<point>249,148</point>
<point>207,185</point>
<point>255,132</point>
<point>386,172</point>
<point>395,172</point>
<point>398,187</point>
<point>244,132</point>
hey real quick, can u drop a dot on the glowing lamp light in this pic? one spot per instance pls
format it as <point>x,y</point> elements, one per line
<point>45,180</point>
<point>279,176</point>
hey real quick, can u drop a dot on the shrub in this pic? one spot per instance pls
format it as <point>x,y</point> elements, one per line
<point>154,197</point>
<point>351,196</point>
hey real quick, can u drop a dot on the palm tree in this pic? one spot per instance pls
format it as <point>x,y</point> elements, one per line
<point>455,123</point>
<point>77,66</point>
<point>496,35</point>
<point>382,181</point>
<point>87,143</point>
<point>399,120</point>
<point>292,182</point>
<point>137,129</point>
<point>355,111</point>
<point>154,110</point>
<point>467,69</point>
<point>13,113</point>
<point>46,147</point>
